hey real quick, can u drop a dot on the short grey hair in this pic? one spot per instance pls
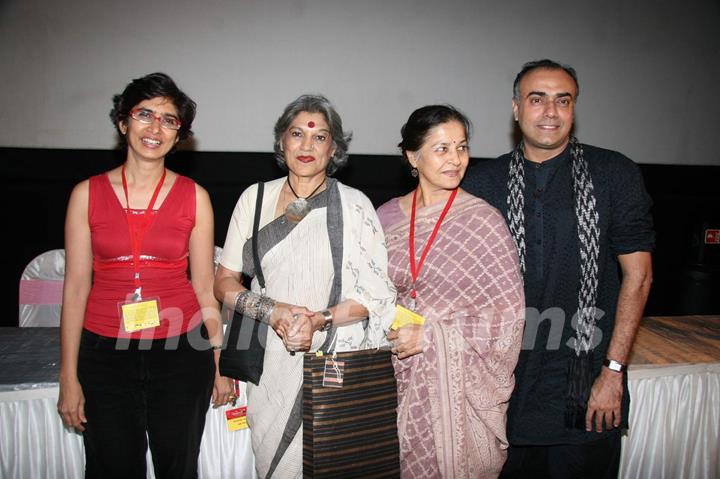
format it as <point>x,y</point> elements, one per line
<point>314,104</point>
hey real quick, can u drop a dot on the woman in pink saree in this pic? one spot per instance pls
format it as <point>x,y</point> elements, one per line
<point>453,262</point>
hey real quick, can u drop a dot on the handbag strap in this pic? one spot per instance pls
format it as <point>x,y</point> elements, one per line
<point>256,227</point>
<point>335,230</point>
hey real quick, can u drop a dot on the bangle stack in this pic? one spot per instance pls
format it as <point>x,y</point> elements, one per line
<point>254,305</point>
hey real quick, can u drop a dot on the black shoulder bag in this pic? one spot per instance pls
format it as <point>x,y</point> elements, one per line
<point>244,352</point>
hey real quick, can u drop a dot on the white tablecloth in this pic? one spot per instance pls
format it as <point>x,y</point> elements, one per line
<point>34,444</point>
<point>674,423</point>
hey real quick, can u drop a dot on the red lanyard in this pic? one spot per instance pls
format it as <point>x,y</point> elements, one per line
<point>137,229</point>
<point>415,270</point>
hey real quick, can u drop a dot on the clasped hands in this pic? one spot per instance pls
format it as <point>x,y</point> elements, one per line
<point>295,325</point>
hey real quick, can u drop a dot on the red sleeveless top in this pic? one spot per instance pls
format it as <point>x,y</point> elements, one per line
<point>163,264</point>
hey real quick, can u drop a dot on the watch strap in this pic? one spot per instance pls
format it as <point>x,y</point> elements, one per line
<point>328,319</point>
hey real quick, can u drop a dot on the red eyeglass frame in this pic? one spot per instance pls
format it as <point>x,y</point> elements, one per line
<point>154,115</point>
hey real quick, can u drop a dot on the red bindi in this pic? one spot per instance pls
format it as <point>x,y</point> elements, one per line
<point>311,124</point>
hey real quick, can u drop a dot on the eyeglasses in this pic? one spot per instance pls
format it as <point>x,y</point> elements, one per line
<point>146,116</point>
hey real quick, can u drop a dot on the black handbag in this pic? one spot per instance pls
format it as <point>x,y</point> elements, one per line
<point>243,356</point>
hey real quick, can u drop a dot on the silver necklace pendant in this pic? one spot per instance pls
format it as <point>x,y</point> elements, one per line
<point>297,209</point>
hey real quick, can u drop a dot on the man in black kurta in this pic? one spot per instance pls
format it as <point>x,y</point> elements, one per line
<point>542,444</point>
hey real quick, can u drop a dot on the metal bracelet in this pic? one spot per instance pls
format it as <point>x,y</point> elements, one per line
<point>254,305</point>
<point>241,299</point>
<point>264,308</point>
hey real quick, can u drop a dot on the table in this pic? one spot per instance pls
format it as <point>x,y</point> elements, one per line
<point>674,382</point>
<point>35,444</point>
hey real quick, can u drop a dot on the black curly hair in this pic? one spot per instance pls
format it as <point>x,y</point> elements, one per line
<point>150,86</point>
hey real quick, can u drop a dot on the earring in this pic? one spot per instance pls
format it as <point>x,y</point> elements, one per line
<point>414,172</point>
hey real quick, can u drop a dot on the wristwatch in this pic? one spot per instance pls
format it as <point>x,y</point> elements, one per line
<point>613,365</point>
<point>328,319</point>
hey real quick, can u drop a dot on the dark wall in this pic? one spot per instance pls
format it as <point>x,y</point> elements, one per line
<point>686,202</point>
<point>36,185</point>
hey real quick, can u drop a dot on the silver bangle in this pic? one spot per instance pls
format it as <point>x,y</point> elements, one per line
<point>265,308</point>
<point>240,299</point>
<point>254,305</point>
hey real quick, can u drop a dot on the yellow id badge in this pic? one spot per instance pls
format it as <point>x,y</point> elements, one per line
<point>236,418</point>
<point>404,316</point>
<point>140,315</point>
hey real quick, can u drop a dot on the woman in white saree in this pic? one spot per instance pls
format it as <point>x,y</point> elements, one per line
<point>324,261</point>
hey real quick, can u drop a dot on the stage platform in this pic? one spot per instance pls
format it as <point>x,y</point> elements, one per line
<point>665,340</point>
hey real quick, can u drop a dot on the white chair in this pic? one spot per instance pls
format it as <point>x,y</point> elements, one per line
<point>41,285</point>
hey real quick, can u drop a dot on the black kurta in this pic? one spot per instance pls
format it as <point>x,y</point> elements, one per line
<point>537,406</point>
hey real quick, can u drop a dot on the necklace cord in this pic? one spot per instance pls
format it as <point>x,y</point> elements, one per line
<point>308,196</point>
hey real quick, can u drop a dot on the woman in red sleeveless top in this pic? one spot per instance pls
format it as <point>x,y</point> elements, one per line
<point>135,355</point>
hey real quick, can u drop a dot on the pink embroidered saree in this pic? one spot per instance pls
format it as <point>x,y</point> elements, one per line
<point>453,396</point>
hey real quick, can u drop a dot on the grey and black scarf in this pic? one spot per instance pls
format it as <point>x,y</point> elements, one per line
<point>587,218</point>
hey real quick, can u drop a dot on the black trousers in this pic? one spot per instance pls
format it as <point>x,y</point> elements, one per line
<point>599,459</point>
<point>133,391</point>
